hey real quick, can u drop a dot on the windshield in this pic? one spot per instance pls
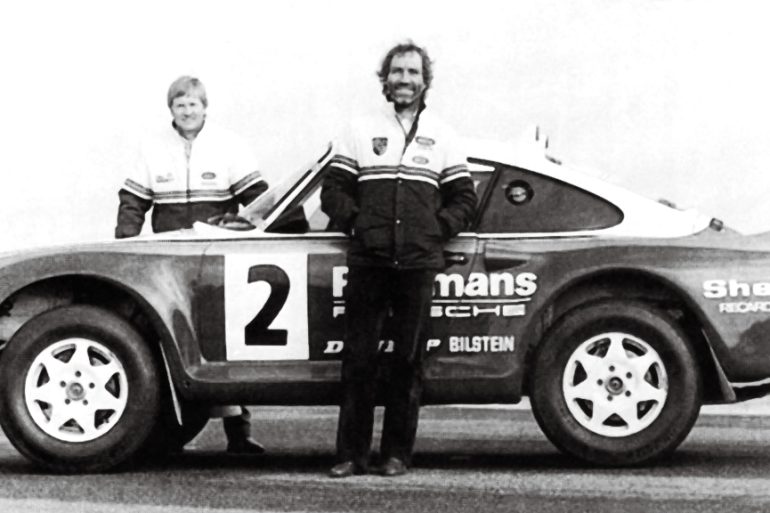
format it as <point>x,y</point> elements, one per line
<point>263,206</point>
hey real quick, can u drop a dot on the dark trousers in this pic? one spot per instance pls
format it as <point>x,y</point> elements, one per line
<point>369,294</point>
<point>238,427</point>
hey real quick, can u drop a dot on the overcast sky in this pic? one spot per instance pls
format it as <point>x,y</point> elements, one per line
<point>668,98</point>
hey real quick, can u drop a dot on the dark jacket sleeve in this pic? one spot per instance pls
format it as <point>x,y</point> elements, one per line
<point>131,213</point>
<point>338,198</point>
<point>458,198</point>
<point>251,193</point>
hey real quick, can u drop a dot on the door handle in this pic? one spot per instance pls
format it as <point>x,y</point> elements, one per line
<point>498,260</point>
<point>452,258</point>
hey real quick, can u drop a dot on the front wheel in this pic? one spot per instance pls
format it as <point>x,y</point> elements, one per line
<point>79,390</point>
<point>615,383</point>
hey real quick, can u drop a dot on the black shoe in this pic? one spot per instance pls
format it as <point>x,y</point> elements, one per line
<point>346,469</point>
<point>245,446</point>
<point>393,467</point>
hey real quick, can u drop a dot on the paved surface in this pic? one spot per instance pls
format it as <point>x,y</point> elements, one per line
<point>467,460</point>
<point>754,407</point>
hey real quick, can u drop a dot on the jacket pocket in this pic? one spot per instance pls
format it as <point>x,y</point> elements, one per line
<point>374,238</point>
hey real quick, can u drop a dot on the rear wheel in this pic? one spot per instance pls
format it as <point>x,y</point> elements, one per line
<point>615,383</point>
<point>79,390</point>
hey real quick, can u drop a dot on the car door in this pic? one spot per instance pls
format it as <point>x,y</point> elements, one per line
<point>283,294</point>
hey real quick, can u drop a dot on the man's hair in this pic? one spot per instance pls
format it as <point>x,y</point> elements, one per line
<point>399,49</point>
<point>187,86</point>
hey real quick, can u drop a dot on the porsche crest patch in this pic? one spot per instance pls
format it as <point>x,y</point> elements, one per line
<point>379,145</point>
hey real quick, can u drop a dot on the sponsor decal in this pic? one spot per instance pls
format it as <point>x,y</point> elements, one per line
<point>481,344</point>
<point>467,304</point>
<point>420,160</point>
<point>424,141</point>
<point>456,344</point>
<point>734,289</point>
<point>501,294</point>
<point>744,307</point>
<point>209,175</point>
<point>168,177</point>
<point>379,145</point>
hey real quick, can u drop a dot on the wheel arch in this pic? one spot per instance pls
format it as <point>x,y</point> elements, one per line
<point>78,289</point>
<point>645,287</point>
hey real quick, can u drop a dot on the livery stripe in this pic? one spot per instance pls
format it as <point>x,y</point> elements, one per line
<point>343,167</point>
<point>454,177</point>
<point>395,176</point>
<point>245,182</point>
<point>138,189</point>
<point>459,168</point>
<point>401,171</point>
<point>221,193</point>
<point>344,163</point>
<point>454,172</point>
<point>196,199</point>
<point>342,159</point>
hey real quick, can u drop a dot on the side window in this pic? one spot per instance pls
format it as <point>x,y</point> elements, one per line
<point>524,202</point>
<point>304,214</point>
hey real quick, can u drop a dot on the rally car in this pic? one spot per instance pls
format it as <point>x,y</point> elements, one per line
<point>618,316</point>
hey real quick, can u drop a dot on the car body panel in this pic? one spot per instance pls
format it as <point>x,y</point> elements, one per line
<point>257,317</point>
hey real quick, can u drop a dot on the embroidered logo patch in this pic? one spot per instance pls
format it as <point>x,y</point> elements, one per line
<point>208,175</point>
<point>420,160</point>
<point>164,178</point>
<point>424,141</point>
<point>379,145</point>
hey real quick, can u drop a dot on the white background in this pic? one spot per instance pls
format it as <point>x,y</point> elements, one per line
<point>666,97</point>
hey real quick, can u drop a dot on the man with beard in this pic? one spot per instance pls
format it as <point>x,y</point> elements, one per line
<point>400,187</point>
<point>188,174</point>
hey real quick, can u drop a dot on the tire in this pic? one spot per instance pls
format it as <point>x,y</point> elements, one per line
<point>80,390</point>
<point>615,383</point>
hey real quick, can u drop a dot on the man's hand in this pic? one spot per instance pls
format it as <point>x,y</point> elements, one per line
<point>231,222</point>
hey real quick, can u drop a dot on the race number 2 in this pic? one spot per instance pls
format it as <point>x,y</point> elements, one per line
<point>266,307</point>
<point>258,331</point>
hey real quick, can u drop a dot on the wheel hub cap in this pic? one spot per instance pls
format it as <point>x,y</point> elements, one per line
<point>615,384</point>
<point>75,391</point>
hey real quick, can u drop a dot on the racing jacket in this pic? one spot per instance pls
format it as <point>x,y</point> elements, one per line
<point>400,196</point>
<point>187,181</point>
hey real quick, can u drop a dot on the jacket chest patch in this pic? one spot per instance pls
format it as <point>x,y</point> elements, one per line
<point>379,145</point>
<point>425,142</point>
<point>209,175</point>
<point>168,177</point>
<point>419,159</point>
